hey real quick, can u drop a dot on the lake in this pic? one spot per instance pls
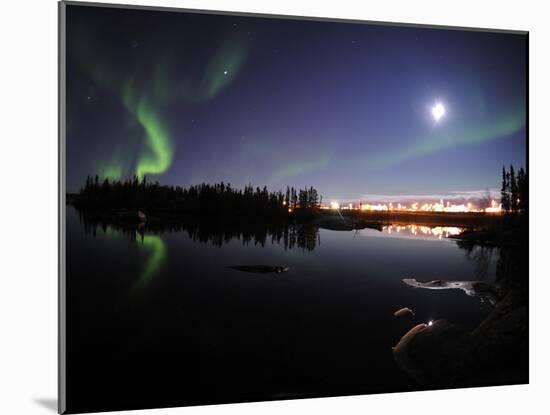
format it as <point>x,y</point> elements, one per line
<point>161,317</point>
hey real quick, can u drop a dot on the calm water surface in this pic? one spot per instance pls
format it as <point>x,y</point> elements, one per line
<point>159,317</point>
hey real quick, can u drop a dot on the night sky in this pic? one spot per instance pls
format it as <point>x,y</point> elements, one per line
<point>188,98</point>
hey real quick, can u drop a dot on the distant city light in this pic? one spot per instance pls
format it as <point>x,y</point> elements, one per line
<point>438,232</point>
<point>495,208</point>
<point>440,206</point>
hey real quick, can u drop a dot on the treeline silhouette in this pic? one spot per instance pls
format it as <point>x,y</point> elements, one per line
<point>135,194</point>
<point>290,235</point>
<point>514,195</point>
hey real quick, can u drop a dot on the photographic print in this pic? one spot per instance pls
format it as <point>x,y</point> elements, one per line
<point>273,207</point>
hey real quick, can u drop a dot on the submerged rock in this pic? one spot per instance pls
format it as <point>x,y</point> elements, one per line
<point>405,311</point>
<point>336,223</point>
<point>401,354</point>
<point>260,269</point>
<point>433,354</point>
<point>485,291</point>
<point>443,354</point>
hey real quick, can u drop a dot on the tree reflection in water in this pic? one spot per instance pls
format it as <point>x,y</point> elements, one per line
<point>290,235</point>
<point>480,256</point>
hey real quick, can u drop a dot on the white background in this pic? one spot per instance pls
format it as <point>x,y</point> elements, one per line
<point>28,204</point>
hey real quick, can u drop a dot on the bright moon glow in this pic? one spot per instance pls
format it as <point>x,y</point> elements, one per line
<point>438,111</point>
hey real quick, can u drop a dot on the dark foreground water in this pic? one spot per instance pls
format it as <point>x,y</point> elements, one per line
<point>159,319</point>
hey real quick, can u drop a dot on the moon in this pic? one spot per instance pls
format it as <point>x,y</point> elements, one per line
<point>438,111</point>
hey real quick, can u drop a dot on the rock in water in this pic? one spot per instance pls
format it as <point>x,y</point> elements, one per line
<point>434,355</point>
<point>401,353</point>
<point>405,311</point>
<point>485,291</point>
<point>260,269</point>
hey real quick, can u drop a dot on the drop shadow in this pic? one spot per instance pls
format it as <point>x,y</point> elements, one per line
<point>48,403</point>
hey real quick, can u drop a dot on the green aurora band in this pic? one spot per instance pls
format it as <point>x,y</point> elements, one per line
<point>145,98</point>
<point>511,123</point>
<point>161,151</point>
<point>111,171</point>
<point>158,142</point>
<point>222,68</point>
<point>299,168</point>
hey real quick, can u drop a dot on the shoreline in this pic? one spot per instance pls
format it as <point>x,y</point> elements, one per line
<point>317,216</point>
<point>477,228</point>
<point>456,219</point>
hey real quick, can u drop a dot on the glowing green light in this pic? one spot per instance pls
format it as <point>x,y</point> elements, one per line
<point>157,257</point>
<point>301,167</point>
<point>223,67</point>
<point>147,89</point>
<point>111,172</point>
<point>502,127</point>
<point>158,141</point>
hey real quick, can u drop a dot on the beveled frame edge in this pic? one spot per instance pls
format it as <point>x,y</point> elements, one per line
<point>62,300</point>
<point>291,17</point>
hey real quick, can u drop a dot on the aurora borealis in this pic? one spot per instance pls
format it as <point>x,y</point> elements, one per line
<point>185,98</point>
